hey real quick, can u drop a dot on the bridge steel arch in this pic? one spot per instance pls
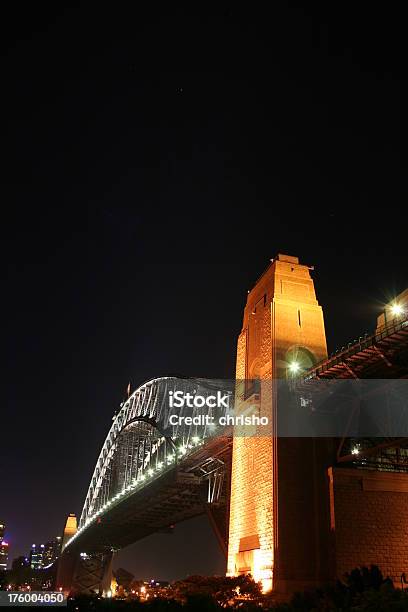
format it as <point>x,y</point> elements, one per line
<point>142,445</point>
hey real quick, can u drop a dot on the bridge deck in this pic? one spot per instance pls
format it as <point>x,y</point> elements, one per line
<point>380,355</point>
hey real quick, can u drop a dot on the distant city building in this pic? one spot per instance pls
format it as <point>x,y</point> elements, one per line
<point>37,556</point>
<point>43,555</point>
<point>52,551</point>
<point>4,551</point>
<point>4,548</point>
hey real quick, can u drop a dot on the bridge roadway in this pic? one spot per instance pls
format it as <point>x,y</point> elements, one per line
<point>383,354</point>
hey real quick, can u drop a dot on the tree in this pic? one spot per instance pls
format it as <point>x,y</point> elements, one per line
<point>225,590</point>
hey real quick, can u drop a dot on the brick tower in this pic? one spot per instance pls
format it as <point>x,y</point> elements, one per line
<point>278,487</point>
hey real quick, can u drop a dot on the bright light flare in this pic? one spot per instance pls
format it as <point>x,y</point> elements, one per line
<point>397,310</point>
<point>294,367</point>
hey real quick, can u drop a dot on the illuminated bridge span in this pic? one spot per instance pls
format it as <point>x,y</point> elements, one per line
<point>151,474</point>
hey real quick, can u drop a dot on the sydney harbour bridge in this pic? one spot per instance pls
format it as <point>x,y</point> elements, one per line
<point>161,464</point>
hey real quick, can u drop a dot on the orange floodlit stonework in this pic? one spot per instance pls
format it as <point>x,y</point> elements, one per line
<point>70,529</point>
<point>283,329</point>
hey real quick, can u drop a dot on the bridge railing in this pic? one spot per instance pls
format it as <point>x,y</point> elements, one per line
<point>368,340</point>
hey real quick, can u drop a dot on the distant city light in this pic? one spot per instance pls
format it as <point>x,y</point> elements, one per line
<point>355,450</point>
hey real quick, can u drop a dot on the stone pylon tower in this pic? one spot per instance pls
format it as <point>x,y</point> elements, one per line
<point>278,501</point>
<point>70,529</point>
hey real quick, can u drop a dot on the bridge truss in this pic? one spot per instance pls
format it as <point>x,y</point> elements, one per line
<point>143,447</point>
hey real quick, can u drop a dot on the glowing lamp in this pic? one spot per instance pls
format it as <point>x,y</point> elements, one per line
<point>397,309</point>
<point>294,367</point>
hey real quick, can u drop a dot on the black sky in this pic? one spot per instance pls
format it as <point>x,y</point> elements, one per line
<point>155,162</point>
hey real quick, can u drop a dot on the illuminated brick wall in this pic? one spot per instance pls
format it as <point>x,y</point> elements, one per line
<point>251,507</point>
<point>370,520</point>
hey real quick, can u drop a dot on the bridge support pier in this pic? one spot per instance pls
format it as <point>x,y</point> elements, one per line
<point>89,575</point>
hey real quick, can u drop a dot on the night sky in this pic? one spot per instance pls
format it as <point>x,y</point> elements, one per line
<point>155,163</point>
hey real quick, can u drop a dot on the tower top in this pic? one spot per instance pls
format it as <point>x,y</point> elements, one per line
<point>287,258</point>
